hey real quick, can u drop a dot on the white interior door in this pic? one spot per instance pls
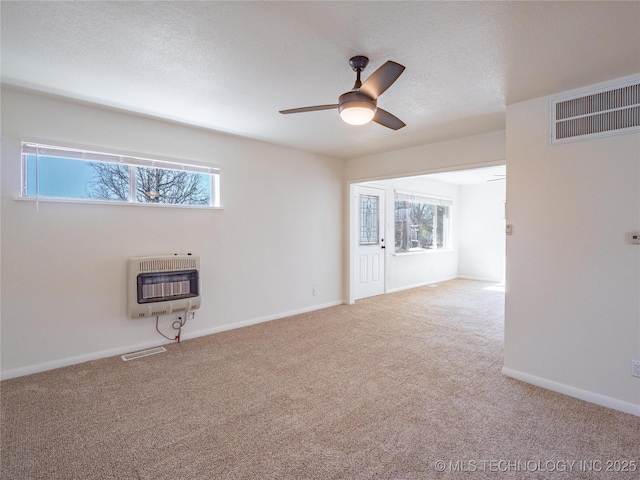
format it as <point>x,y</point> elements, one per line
<point>368,265</point>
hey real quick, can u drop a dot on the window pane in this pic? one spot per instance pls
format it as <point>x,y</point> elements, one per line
<point>443,227</point>
<point>420,225</point>
<point>62,178</point>
<point>422,220</point>
<point>109,181</point>
<point>401,225</point>
<point>71,173</point>
<point>369,222</point>
<point>174,187</point>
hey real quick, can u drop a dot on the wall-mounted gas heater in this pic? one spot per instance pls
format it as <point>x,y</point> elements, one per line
<point>163,285</point>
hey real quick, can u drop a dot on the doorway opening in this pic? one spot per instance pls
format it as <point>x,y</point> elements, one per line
<point>457,219</point>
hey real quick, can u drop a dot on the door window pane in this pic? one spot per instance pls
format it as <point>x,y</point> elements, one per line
<point>369,219</point>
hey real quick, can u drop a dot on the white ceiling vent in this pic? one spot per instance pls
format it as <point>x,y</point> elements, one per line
<point>600,113</point>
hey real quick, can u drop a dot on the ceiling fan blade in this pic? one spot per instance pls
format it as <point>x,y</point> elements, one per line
<point>388,120</point>
<point>382,79</point>
<point>310,109</point>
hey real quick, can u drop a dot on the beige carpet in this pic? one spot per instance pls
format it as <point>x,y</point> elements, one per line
<point>383,389</point>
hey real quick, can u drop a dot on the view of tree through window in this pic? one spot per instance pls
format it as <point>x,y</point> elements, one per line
<point>153,185</point>
<point>421,223</point>
<point>56,172</point>
<point>109,181</point>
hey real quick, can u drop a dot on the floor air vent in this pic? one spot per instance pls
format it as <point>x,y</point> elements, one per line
<point>143,353</point>
<point>600,113</point>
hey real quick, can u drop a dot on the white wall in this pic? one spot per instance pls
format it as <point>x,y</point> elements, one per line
<point>468,152</point>
<point>64,266</point>
<point>573,279</point>
<point>481,245</point>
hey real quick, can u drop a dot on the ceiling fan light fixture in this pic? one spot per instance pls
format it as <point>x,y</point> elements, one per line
<point>356,109</point>
<point>357,114</point>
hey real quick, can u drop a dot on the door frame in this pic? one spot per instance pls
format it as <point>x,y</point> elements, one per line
<point>353,236</point>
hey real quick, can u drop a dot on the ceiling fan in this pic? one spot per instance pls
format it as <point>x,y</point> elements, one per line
<point>360,105</point>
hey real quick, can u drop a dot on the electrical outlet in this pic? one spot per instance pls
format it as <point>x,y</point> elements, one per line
<point>314,291</point>
<point>635,368</point>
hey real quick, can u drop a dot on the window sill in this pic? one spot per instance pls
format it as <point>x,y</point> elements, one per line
<point>103,202</point>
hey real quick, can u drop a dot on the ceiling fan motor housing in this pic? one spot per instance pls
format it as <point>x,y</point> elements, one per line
<point>355,99</point>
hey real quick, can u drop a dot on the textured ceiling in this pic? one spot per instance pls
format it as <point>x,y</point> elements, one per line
<point>230,66</point>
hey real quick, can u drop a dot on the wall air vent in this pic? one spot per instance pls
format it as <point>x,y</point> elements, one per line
<point>142,353</point>
<point>600,113</point>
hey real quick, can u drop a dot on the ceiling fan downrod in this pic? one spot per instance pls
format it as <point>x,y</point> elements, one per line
<point>358,64</point>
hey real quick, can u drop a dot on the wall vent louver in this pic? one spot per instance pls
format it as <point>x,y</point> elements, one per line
<point>600,113</point>
<point>167,264</point>
<point>142,353</point>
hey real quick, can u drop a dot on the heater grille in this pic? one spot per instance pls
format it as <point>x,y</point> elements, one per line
<point>603,112</point>
<point>163,285</point>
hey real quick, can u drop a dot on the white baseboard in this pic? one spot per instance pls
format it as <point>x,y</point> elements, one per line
<point>421,284</point>
<point>254,321</point>
<point>481,279</point>
<point>602,400</point>
<point>65,362</point>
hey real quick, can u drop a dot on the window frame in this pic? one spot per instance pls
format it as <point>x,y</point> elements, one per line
<point>426,199</point>
<point>132,161</point>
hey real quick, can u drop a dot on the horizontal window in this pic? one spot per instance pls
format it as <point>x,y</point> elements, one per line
<point>68,173</point>
<point>421,223</point>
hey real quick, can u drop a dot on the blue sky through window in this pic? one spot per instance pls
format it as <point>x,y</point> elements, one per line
<point>59,177</point>
<point>71,178</point>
